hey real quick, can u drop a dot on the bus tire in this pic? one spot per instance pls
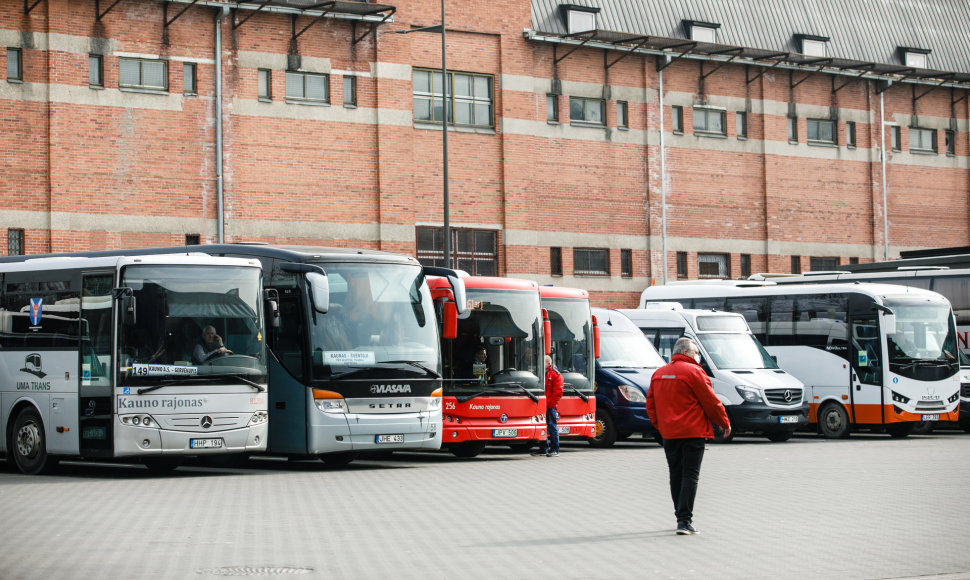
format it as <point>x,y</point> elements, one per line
<point>29,444</point>
<point>162,464</point>
<point>900,430</point>
<point>605,430</point>
<point>338,458</point>
<point>779,436</point>
<point>468,449</point>
<point>922,428</point>
<point>833,421</point>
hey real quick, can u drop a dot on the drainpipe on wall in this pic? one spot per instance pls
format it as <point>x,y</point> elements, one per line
<point>223,12</point>
<point>885,207</point>
<point>663,177</point>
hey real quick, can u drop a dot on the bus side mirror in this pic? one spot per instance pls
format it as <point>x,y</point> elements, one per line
<point>596,338</point>
<point>126,305</point>
<point>546,332</point>
<point>889,323</point>
<point>458,288</point>
<point>449,320</point>
<point>319,291</point>
<point>272,307</point>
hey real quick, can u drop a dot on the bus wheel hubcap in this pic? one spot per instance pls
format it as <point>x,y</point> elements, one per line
<point>27,439</point>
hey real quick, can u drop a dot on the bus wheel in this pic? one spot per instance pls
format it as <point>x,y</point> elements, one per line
<point>339,458</point>
<point>900,430</point>
<point>965,425</point>
<point>779,436</point>
<point>833,421</point>
<point>29,445</point>
<point>922,428</point>
<point>162,464</point>
<point>719,436</point>
<point>468,449</point>
<point>605,433</point>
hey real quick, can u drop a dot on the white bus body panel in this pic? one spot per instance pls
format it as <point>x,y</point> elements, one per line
<point>825,375</point>
<point>50,388</point>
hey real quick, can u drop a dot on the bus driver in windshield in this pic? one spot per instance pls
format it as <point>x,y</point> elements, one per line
<point>210,346</point>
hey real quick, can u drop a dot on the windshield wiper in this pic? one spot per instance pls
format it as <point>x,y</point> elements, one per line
<point>532,395</point>
<point>585,398</point>
<point>173,382</point>
<point>354,370</point>
<point>416,364</point>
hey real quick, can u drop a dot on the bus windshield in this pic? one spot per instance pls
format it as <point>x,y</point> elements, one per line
<point>925,340</point>
<point>176,308</point>
<point>506,325</point>
<point>628,350</point>
<point>736,351</point>
<point>380,315</point>
<point>572,334</point>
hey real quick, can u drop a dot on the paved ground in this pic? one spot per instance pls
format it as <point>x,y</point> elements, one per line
<point>866,507</point>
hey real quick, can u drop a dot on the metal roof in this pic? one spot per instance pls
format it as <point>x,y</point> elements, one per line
<point>863,35</point>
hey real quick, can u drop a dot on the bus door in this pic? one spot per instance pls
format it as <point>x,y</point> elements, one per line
<point>865,397</point>
<point>288,376</point>
<point>95,395</point>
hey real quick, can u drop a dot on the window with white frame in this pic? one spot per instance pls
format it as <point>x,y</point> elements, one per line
<point>308,87</point>
<point>813,45</point>
<point>579,18</point>
<point>922,139</point>
<point>264,77</point>
<point>586,110</point>
<point>820,131</point>
<point>709,121</point>
<point>15,65</point>
<point>189,79</point>
<point>713,266</point>
<point>350,91</point>
<point>140,73</point>
<point>702,31</point>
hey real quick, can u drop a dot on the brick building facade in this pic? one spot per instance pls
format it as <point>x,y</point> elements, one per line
<point>558,168</point>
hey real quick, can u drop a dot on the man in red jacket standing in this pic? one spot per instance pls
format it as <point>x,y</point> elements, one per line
<point>550,446</point>
<point>681,404</point>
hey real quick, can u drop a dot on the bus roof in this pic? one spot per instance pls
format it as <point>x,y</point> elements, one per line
<point>57,262</point>
<point>874,290</point>
<point>496,283</point>
<point>563,292</point>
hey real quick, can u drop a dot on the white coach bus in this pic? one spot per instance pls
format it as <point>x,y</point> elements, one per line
<point>98,359</point>
<point>871,355</point>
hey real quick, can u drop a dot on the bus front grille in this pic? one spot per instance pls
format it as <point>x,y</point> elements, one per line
<point>930,406</point>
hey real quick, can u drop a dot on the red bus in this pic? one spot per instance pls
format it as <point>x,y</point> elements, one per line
<point>492,364</point>
<point>575,345</point>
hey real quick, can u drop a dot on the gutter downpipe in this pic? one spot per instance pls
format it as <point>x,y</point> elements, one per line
<point>663,177</point>
<point>218,105</point>
<point>882,153</point>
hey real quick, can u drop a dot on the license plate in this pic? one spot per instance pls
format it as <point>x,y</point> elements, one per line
<point>788,419</point>
<point>564,430</point>
<point>931,417</point>
<point>205,443</point>
<point>505,432</point>
<point>389,439</point>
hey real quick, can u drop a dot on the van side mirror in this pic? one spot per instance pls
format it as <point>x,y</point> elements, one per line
<point>449,320</point>
<point>126,305</point>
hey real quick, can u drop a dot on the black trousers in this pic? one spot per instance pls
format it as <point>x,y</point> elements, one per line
<point>684,458</point>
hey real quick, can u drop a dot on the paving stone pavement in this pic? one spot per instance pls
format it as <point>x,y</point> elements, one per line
<point>869,507</point>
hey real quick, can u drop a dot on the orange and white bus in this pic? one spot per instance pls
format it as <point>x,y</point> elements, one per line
<point>872,356</point>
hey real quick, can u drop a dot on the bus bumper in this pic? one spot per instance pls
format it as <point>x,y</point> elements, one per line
<point>764,419</point>
<point>133,441</point>
<point>376,432</point>
<point>523,431</point>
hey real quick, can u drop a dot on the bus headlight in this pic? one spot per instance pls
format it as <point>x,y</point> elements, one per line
<point>435,403</point>
<point>750,395</point>
<point>632,394</point>
<point>954,397</point>
<point>138,420</point>
<point>330,402</point>
<point>258,417</point>
<point>899,398</point>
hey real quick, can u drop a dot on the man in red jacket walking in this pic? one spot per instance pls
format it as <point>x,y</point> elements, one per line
<point>681,404</point>
<point>550,446</point>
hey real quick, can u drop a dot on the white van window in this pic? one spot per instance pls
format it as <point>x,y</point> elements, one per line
<point>736,351</point>
<point>721,324</point>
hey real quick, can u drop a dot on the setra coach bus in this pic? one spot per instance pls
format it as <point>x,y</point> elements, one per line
<point>97,359</point>
<point>872,356</point>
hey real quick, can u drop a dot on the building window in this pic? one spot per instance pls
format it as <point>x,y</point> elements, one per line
<point>922,139</point>
<point>854,260</point>
<point>677,119</point>
<point>190,85</point>
<point>741,124</point>
<point>702,31</point>
<point>896,138</point>
<point>474,251</point>
<point>15,242</point>
<point>350,91</point>
<point>622,115</point>
<point>950,138</point>
<point>591,262</point>
<point>915,57</point>
<point>135,73</point>
<point>626,263</point>
<point>850,133</point>
<point>813,45</point>
<point>713,266</point>
<point>15,65</point>
<point>555,261</point>
<point>796,264</point>
<point>579,18</point>
<point>584,110</point>
<point>552,108</point>
<point>821,131</point>
<point>264,84</point>
<point>95,70</point>
<point>793,129</point>
<point>745,265</point>
<point>681,265</point>
<point>192,239</point>
<point>823,264</point>
<point>469,98</point>
<point>709,121</point>
<point>309,87</point>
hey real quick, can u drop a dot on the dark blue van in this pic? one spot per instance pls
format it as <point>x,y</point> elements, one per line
<point>623,370</point>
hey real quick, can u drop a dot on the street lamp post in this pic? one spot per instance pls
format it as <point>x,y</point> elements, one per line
<point>444,126</point>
